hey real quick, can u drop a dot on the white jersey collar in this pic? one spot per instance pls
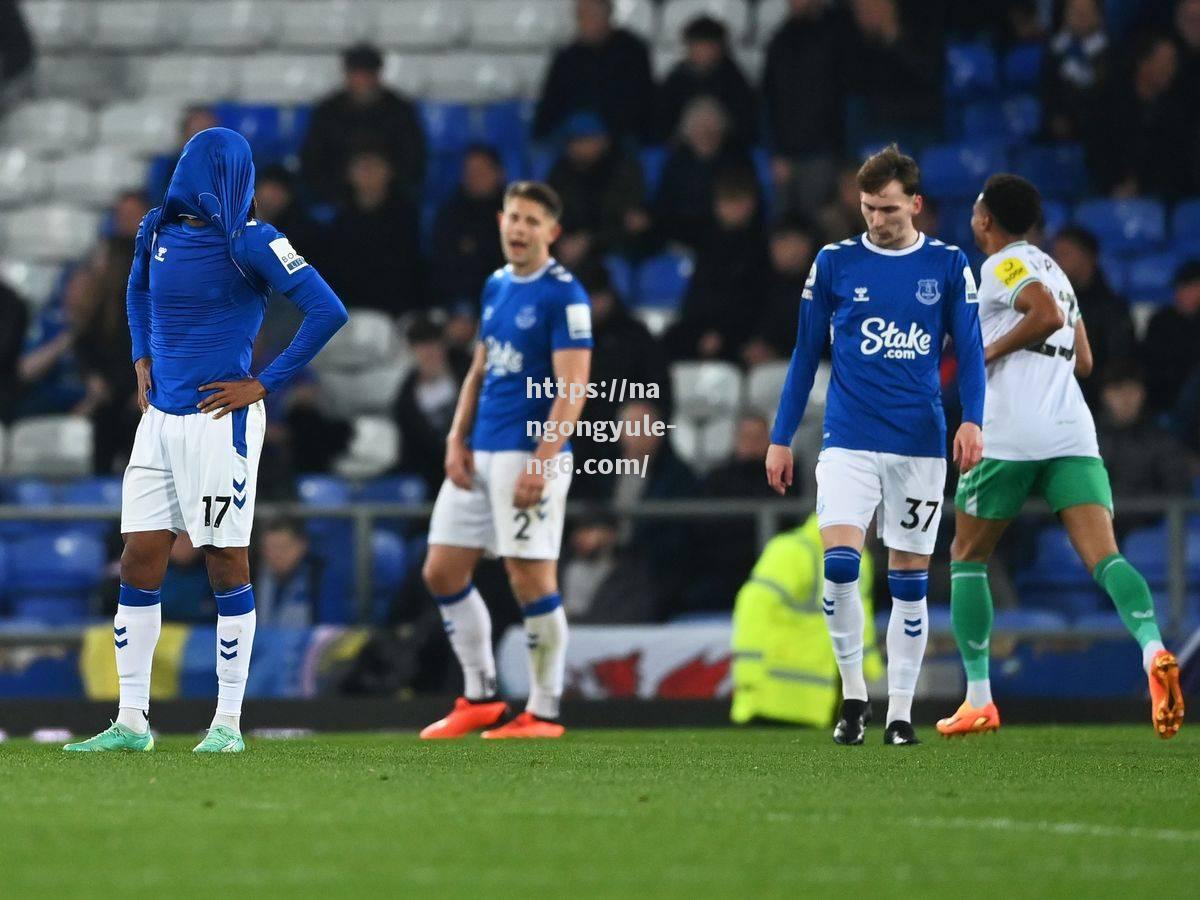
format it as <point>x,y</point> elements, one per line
<point>525,279</point>
<point>916,245</point>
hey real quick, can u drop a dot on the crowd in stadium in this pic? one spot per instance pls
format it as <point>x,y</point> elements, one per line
<point>743,174</point>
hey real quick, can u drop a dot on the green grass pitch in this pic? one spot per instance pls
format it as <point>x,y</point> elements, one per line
<point>1096,811</point>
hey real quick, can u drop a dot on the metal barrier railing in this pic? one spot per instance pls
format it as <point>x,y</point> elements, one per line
<point>767,517</point>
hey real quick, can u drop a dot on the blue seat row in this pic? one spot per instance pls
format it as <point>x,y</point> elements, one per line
<point>974,69</point>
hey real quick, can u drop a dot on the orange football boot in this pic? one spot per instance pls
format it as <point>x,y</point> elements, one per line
<point>526,725</point>
<point>970,720</point>
<point>1166,699</point>
<point>465,718</point>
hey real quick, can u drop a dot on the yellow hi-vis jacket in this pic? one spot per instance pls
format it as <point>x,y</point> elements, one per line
<point>783,664</point>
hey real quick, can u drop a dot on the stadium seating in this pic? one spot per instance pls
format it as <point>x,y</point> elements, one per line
<point>51,579</point>
<point>639,16</point>
<point>703,443</point>
<point>49,126</point>
<point>958,171</point>
<point>1011,120</point>
<point>369,338</point>
<point>287,78</point>
<point>141,126</point>
<point>656,320</point>
<point>473,78</point>
<point>190,78</point>
<point>662,280</point>
<point>1185,221</point>
<point>50,446</point>
<point>48,232</point>
<point>374,448</point>
<point>620,274</point>
<point>706,389</point>
<point>229,25</point>
<point>769,16</point>
<point>135,25</point>
<point>970,71</point>
<point>24,178</point>
<point>96,176</point>
<point>393,489</point>
<point>82,76</point>
<point>421,24</point>
<point>1059,171</point>
<point>34,282</point>
<point>1124,226</point>
<point>1149,277</point>
<point>1022,66</point>
<point>764,384</point>
<point>447,125</point>
<point>322,24</point>
<point>519,24</point>
<point>1057,580</point>
<point>362,392</point>
<point>389,571</point>
<point>59,24</point>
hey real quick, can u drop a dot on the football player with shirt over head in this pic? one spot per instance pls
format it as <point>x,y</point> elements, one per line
<point>887,299</point>
<point>203,268</point>
<point>1041,440</point>
<point>505,491</point>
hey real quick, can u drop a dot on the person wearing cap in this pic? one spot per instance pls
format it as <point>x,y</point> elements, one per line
<point>363,111</point>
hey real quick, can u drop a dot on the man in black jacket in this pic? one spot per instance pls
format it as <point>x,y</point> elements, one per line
<point>466,242</point>
<point>363,111</point>
<point>606,70</point>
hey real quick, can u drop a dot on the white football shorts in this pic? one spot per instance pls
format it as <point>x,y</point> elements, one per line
<point>904,493</point>
<point>485,517</point>
<point>196,474</point>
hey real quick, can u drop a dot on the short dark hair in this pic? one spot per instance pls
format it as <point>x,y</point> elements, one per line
<point>736,182</point>
<point>362,58</point>
<point>1121,371</point>
<point>886,166</point>
<point>288,524</point>
<point>705,28</point>
<point>539,192</point>
<point>485,150</point>
<point>1080,237</point>
<point>1013,202</point>
<point>1188,272</point>
<point>423,330</point>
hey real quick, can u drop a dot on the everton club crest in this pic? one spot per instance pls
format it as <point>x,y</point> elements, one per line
<point>927,291</point>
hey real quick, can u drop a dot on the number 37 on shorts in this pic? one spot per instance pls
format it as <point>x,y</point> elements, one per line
<point>903,493</point>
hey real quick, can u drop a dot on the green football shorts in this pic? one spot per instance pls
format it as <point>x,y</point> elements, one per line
<point>998,488</point>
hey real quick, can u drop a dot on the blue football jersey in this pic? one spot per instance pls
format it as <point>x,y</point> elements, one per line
<point>523,321</point>
<point>887,313</point>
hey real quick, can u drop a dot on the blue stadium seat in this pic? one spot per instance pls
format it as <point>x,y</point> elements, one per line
<point>1059,171</point>
<point>390,569</point>
<point>1149,277</point>
<point>1124,226</point>
<point>653,159</point>
<point>1011,120</point>
<point>447,126</point>
<point>541,161</point>
<point>1105,623</point>
<point>1056,214</point>
<point>260,123</point>
<point>1146,550</point>
<point>958,171</point>
<point>970,71</point>
<point>393,489</point>
<point>101,490</point>
<point>663,280</point>
<point>505,124</point>
<point>1185,221</point>
<point>1057,580</point>
<point>620,273</point>
<point>1042,620</point>
<point>29,492</point>
<point>1023,67</point>
<point>954,224</point>
<point>443,172</point>
<point>51,576</point>
<point>1057,562</point>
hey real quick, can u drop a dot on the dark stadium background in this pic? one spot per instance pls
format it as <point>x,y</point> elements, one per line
<point>697,195</point>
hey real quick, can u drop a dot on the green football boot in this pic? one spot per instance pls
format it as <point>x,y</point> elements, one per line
<point>115,738</point>
<point>221,739</point>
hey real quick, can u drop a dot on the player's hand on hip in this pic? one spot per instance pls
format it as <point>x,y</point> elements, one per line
<point>779,468</point>
<point>968,446</point>
<point>460,464</point>
<point>231,395</point>
<point>528,490</point>
<point>142,369</point>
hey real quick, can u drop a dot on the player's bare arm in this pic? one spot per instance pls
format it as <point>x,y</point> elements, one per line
<point>231,395</point>
<point>571,369</point>
<point>1042,318</point>
<point>1083,351</point>
<point>460,466</point>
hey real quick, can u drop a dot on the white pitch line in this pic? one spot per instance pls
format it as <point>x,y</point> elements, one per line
<point>1066,828</point>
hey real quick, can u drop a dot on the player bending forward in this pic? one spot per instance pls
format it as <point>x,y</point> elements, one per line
<point>500,496</point>
<point>202,271</point>
<point>1041,440</point>
<point>891,295</point>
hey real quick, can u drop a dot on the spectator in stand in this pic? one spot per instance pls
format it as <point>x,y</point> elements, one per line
<point>1144,143</point>
<point>892,74</point>
<point>275,203</point>
<point>793,247</point>
<point>16,44</point>
<point>728,551</point>
<point>287,579</point>
<point>162,167</point>
<point>1075,71</point>
<point>14,320</point>
<point>707,70</point>
<point>363,112</point>
<point>187,595</point>
<point>727,294</point>
<point>604,583</point>
<point>1187,29</point>
<point>803,93</point>
<point>623,352</point>
<point>425,404</point>
<point>602,190</point>
<point>605,70</point>
<point>466,238</point>
<point>372,250</point>
<point>103,346</point>
<point>1105,313</point>
<point>1143,459</point>
<point>842,216</point>
<point>301,438</point>
<point>49,375</point>
<point>703,150</point>
<point>1169,349</point>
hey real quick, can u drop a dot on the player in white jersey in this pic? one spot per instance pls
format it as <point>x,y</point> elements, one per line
<point>1041,440</point>
<point>505,491</point>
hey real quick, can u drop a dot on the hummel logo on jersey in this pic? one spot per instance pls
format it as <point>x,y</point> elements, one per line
<point>860,295</point>
<point>503,359</point>
<point>161,254</point>
<point>880,335</point>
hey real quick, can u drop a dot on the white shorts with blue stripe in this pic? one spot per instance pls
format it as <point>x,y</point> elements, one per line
<point>196,474</point>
